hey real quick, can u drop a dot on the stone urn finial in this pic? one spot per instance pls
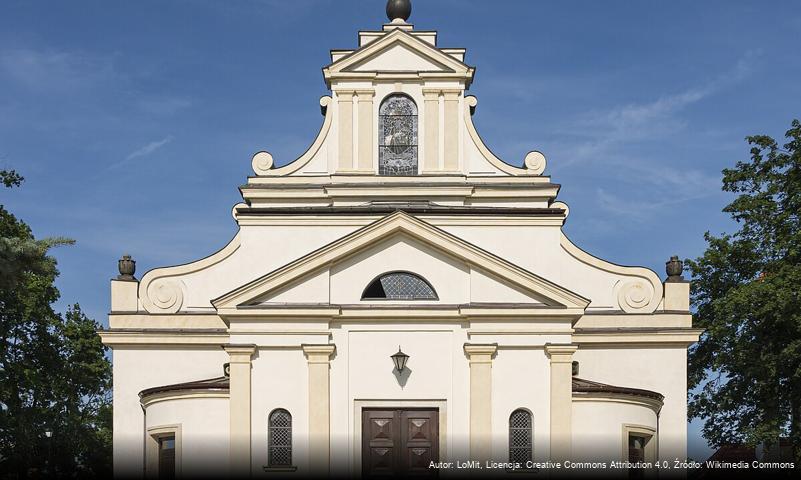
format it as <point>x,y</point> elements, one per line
<point>127,267</point>
<point>674,268</point>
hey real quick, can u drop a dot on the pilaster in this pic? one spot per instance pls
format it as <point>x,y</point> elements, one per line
<point>319,359</point>
<point>240,358</point>
<point>561,399</point>
<point>431,134</point>
<point>345,126</point>
<point>451,163</point>
<point>480,357</point>
<point>367,139</point>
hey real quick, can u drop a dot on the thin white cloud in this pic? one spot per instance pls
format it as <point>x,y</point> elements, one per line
<point>607,131</point>
<point>149,148</point>
<point>144,151</point>
<point>643,210</point>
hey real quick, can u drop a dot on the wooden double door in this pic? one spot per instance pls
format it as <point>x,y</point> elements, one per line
<point>399,442</point>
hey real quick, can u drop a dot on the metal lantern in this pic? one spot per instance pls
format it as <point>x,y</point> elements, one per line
<point>400,359</point>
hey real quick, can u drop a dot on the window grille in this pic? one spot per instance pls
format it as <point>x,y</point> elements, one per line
<point>521,443</point>
<point>397,131</point>
<point>399,286</point>
<point>279,439</point>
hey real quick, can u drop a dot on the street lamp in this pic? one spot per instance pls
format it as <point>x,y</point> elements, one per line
<point>49,436</point>
<point>400,359</point>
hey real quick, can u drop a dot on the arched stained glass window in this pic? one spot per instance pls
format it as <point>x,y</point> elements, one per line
<point>399,286</point>
<point>521,432</point>
<point>279,439</point>
<point>397,131</point>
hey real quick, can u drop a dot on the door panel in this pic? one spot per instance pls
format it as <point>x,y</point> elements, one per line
<point>381,439</point>
<point>399,442</point>
<point>420,441</point>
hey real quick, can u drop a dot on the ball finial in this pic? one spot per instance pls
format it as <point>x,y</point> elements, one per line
<point>399,9</point>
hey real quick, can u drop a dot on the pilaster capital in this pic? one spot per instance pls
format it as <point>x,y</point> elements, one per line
<point>345,95</point>
<point>480,353</point>
<point>365,95</point>
<point>451,94</point>
<point>431,94</point>
<point>240,353</point>
<point>560,353</point>
<point>318,353</point>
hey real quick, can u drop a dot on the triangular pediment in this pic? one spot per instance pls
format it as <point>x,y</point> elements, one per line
<point>399,57</point>
<point>397,51</point>
<point>400,224</point>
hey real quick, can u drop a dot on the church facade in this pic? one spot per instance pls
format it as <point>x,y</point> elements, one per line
<point>395,297</point>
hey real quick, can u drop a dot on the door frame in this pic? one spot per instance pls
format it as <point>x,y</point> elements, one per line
<point>359,405</point>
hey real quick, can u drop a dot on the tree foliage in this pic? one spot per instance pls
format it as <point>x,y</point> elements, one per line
<point>54,376</point>
<point>747,291</point>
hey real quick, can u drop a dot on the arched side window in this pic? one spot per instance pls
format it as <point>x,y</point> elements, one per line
<point>399,286</point>
<point>397,132</point>
<point>521,433</point>
<point>279,439</point>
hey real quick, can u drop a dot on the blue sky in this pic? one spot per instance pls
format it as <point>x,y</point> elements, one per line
<point>134,122</point>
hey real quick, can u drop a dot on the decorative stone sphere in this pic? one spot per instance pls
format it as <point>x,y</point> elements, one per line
<point>399,9</point>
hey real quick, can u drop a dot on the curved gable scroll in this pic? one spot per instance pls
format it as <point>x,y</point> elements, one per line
<point>161,290</point>
<point>535,161</point>
<point>639,290</point>
<point>263,162</point>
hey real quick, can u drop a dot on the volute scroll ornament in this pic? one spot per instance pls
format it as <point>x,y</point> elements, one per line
<point>262,163</point>
<point>634,296</point>
<point>535,162</point>
<point>167,295</point>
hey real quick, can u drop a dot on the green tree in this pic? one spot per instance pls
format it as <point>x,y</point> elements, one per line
<point>747,292</point>
<point>54,376</point>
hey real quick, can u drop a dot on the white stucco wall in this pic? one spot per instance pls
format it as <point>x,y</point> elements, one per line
<point>136,369</point>
<point>279,380</point>
<point>660,369</point>
<point>363,372</point>
<point>598,428</point>
<point>521,379</point>
<point>203,424</point>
